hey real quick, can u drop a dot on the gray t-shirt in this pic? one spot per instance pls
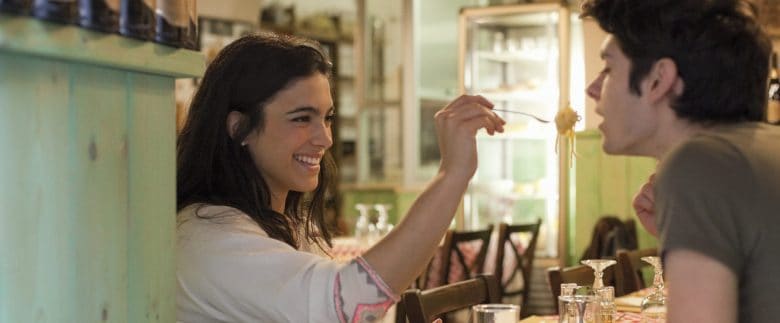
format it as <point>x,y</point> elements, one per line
<point>719,194</point>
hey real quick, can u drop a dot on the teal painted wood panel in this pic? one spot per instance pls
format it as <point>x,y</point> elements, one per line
<point>603,184</point>
<point>87,174</point>
<point>37,226</point>
<point>87,192</point>
<point>152,198</point>
<point>98,168</point>
<point>66,212</point>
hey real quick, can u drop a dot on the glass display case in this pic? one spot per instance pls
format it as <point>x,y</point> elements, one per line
<point>518,57</point>
<point>378,92</point>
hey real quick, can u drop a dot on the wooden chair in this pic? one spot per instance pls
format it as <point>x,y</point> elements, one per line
<point>611,234</point>
<point>628,274</point>
<point>425,306</point>
<point>523,258</point>
<point>418,283</point>
<point>454,244</point>
<point>581,275</point>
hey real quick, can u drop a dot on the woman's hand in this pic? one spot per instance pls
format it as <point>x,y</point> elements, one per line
<point>644,205</point>
<point>404,253</point>
<point>456,128</point>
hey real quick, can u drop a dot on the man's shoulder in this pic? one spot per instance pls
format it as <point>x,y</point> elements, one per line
<point>742,136</point>
<point>710,158</point>
<point>726,142</point>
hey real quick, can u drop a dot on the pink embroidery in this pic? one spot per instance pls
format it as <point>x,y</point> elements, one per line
<point>377,311</point>
<point>377,280</point>
<point>337,299</point>
<point>363,311</point>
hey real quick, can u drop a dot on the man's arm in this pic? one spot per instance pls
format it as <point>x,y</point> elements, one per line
<point>701,289</point>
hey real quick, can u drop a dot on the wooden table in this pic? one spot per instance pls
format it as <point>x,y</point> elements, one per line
<point>622,317</point>
<point>628,307</point>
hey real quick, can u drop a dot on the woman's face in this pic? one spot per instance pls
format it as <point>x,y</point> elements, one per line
<point>288,150</point>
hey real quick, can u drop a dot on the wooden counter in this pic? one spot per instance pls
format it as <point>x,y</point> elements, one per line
<point>87,174</point>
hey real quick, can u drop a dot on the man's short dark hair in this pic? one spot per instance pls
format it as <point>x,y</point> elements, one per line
<point>721,52</point>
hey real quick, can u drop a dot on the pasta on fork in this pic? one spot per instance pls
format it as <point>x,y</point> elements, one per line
<point>565,120</point>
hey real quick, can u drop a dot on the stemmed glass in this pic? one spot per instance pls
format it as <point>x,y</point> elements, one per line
<point>584,302</point>
<point>654,304</point>
<point>598,266</point>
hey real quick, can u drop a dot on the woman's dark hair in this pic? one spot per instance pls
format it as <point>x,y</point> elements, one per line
<point>721,52</point>
<point>213,168</point>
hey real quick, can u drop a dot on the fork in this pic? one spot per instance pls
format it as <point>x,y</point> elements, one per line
<point>525,114</point>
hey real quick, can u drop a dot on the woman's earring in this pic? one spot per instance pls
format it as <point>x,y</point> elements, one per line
<point>243,143</point>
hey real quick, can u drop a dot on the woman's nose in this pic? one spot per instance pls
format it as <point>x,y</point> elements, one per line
<point>323,136</point>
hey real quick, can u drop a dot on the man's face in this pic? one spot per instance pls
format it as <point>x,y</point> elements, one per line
<point>629,121</point>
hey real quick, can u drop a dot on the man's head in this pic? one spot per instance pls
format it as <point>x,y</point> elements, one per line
<point>715,49</point>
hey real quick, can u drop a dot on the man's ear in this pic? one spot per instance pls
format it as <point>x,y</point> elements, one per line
<point>234,120</point>
<point>662,80</point>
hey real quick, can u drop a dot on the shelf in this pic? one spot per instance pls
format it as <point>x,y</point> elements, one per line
<point>517,96</point>
<point>30,36</point>
<point>531,135</point>
<point>514,56</point>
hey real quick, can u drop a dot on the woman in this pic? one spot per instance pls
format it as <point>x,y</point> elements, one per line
<point>252,169</point>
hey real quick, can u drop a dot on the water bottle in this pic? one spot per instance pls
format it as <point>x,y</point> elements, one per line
<point>17,7</point>
<point>136,18</point>
<point>172,22</point>
<point>361,226</point>
<point>382,224</point>
<point>101,15</point>
<point>62,11</point>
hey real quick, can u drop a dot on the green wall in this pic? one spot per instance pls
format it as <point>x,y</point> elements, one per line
<point>602,184</point>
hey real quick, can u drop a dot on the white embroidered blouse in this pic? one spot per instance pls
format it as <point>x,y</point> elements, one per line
<point>229,270</point>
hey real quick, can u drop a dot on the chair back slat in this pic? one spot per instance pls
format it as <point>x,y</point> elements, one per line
<point>629,272</point>
<point>425,306</point>
<point>523,257</point>
<point>454,242</point>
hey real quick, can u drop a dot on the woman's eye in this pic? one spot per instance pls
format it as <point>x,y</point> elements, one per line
<point>302,119</point>
<point>330,118</point>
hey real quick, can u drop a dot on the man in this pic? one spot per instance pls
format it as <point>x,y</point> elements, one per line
<point>685,81</point>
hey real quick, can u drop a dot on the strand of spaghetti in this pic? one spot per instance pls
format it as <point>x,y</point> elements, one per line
<point>564,122</point>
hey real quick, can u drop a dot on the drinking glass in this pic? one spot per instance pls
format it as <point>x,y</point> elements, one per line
<point>579,307</point>
<point>654,304</point>
<point>567,311</point>
<point>598,266</point>
<point>495,313</point>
